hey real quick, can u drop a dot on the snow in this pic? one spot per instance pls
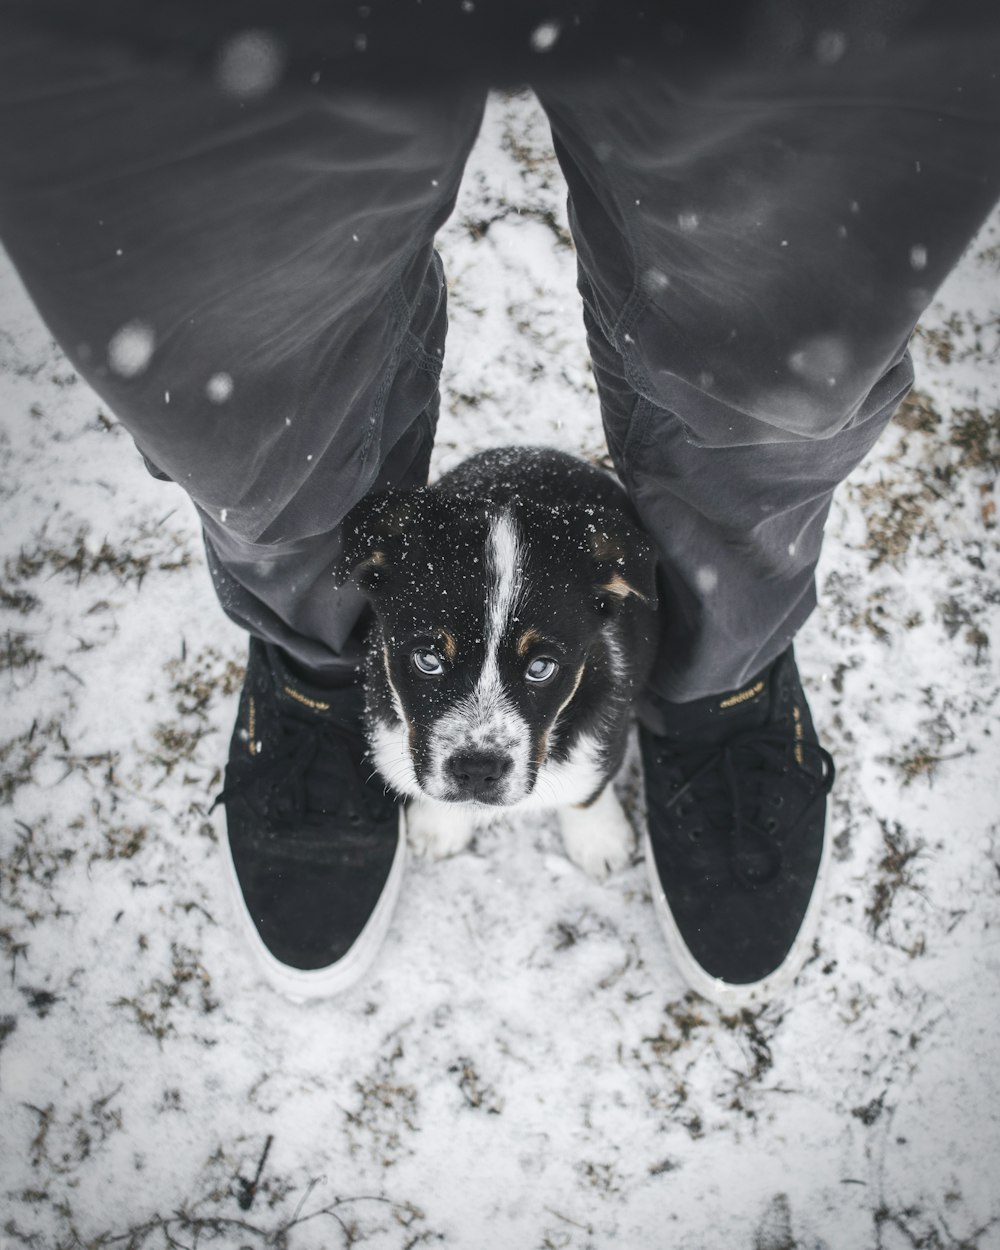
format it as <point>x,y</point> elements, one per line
<point>219,387</point>
<point>249,64</point>
<point>522,1067</point>
<point>545,36</point>
<point>131,348</point>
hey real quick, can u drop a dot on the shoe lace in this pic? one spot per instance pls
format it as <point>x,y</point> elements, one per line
<point>312,770</point>
<point>743,762</point>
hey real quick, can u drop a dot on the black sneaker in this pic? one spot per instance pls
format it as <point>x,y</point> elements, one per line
<point>315,844</point>
<point>736,790</point>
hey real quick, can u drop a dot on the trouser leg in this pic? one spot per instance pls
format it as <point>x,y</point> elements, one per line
<point>757,235</point>
<point>248,280</point>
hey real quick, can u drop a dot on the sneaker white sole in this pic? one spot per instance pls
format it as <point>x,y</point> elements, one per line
<point>302,985</point>
<point>726,994</point>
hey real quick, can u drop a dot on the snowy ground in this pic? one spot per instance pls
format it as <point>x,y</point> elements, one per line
<point>523,1067</point>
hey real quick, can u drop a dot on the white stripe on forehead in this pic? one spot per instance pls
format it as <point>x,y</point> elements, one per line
<point>486,719</point>
<point>503,561</point>
<point>488,713</point>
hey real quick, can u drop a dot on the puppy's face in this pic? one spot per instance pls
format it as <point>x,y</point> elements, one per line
<point>487,621</point>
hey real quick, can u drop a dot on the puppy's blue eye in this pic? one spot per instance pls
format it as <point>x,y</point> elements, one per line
<point>541,670</point>
<point>427,663</point>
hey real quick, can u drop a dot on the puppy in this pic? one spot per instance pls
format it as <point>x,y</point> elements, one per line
<point>514,606</point>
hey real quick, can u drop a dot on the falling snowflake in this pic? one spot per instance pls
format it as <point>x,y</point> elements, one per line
<point>219,387</point>
<point>544,37</point>
<point>131,348</point>
<point>918,256</point>
<point>249,64</point>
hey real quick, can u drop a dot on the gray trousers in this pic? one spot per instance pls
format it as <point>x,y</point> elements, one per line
<point>243,268</point>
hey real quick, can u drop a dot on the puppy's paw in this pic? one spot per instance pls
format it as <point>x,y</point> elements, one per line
<point>437,830</point>
<point>598,838</point>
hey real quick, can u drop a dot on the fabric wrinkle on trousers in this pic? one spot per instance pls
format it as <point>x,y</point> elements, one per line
<point>755,242</point>
<point>754,252</point>
<point>275,258</point>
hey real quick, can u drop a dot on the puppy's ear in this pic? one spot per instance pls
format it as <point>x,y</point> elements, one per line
<point>625,559</point>
<point>372,531</point>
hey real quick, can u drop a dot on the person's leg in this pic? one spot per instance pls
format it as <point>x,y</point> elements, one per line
<point>247,277</point>
<point>757,234</point>
<point>756,240</point>
<point>250,283</point>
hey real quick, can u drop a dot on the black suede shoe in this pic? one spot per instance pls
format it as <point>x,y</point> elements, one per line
<point>315,843</point>
<point>736,790</point>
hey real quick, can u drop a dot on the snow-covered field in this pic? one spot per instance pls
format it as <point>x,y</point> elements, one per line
<point>523,1067</point>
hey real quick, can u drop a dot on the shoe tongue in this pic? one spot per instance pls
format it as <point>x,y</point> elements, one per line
<point>715,718</point>
<point>326,721</point>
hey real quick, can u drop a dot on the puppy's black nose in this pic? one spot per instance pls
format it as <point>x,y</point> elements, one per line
<point>477,774</point>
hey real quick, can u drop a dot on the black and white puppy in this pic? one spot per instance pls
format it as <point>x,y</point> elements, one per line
<point>514,607</point>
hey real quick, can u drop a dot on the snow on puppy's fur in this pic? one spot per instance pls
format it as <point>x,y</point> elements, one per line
<point>514,608</point>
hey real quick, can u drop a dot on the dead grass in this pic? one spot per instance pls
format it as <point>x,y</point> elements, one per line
<point>920,1229</point>
<point>120,842</point>
<point>20,754</point>
<point>196,681</point>
<point>683,1019</point>
<point>896,517</point>
<point>230,1212</point>
<point>476,1093</point>
<point>29,873</point>
<point>941,342</point>
<point>694,1034</point>
<point>385,1113</point>
<point>909,503</point>
<point>990,255</point>
<point>976,435</point>
<point>78,557</point>
<point>187,986</point>
<point>18,653</point>
<point>20,601</point>
<point>606,1178</point>
<point>895,873</point>
<point>64,1141</point>
<point>917,414</point>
